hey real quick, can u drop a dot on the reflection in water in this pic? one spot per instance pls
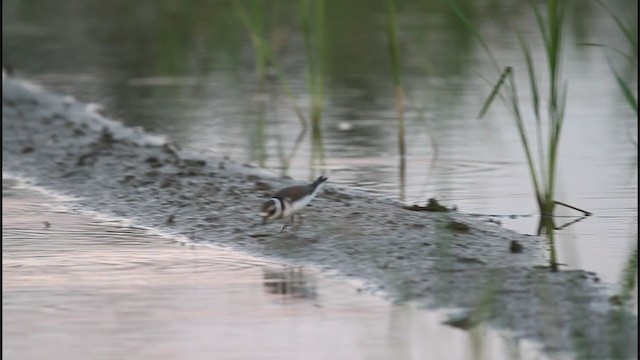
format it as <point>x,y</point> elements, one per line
<point>402,148</point>
<point>290,282</point>
<point>258,142</point>
<point>285,158</point>
<point>317,150</point>
<point>403,178</point>
<point>547,228</point>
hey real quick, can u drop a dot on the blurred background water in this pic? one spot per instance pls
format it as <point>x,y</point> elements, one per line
<point>188,69</point>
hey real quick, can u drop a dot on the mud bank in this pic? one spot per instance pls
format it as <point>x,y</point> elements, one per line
<point>437,259</point>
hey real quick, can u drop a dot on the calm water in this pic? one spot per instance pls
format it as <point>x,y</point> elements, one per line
<point>188,70</point>
<point>90,288</point>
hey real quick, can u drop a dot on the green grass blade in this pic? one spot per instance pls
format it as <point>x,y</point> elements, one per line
<point>632,99</point>
<point>305,27</point>
<point>322,50</point>
<point>394,58</point>
<point>632,36</point>
<point>555,18</point>
<point>496,90</point>
<point>490,83</point>
<point>541,25</point>
<point>392,38</point>
<point>532,77</point>
<point>629,57</point>
<point>535,97</point>
<point>524,139</point>
<point>562,106</point>
<point>313,35</point>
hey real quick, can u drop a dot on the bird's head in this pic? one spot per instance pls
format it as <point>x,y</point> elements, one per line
<point>269,210</point>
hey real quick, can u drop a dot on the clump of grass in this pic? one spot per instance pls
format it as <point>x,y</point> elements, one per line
<point>543,170</point>
<point>432,205</point>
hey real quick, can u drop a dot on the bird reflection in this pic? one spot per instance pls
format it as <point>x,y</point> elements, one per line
<point>290,282</point>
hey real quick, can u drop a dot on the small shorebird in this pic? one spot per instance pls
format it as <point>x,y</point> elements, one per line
<point>287,202</point>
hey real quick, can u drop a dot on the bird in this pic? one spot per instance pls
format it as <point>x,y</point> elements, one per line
<point>287,202</point>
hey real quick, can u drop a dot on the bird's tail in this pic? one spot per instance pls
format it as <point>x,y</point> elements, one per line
<point>319,181</point>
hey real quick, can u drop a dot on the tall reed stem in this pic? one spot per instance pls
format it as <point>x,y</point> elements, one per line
<point>394,57</point>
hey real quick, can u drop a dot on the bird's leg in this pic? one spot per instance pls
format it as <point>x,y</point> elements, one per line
<point>288,223</point>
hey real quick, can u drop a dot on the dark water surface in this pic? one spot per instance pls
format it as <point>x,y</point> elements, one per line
<point>187,69</point>
<point>83,287</point>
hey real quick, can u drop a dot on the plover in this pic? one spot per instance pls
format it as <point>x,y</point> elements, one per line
<point>287,202</point>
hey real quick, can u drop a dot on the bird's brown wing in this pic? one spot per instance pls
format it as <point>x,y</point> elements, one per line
<point>293,192</point>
